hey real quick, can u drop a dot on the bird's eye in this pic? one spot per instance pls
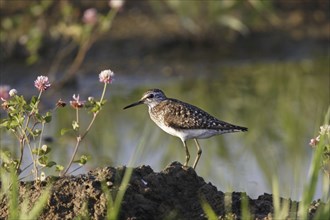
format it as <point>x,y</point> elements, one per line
<point>150,96</point>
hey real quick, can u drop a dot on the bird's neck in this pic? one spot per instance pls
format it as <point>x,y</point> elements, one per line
<point>153,104</point>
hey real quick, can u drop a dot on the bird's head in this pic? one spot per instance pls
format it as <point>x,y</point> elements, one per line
<point>151,98</point>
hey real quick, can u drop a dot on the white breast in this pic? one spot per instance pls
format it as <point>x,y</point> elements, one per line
<point>186,134</point>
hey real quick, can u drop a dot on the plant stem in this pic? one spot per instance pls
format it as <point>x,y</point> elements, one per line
<point>21,146</point>
<point>81,137</point>
<point>76,169</point>
<point>21,178</point>
<point>26,138</point>
<point>77,119</point>
<point>42,131</point>
<point>90,125</point>
<point>103,92</point>
<point>76,147</point>
<point>38,99</point>
<point>72,157</point>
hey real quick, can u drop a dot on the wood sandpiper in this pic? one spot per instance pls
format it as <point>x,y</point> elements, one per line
<point>183,120</point>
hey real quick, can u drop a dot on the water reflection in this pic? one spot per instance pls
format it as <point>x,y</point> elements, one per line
<point>281,103</point>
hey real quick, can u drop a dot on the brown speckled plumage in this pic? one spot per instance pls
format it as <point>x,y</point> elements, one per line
<point>180,115</point>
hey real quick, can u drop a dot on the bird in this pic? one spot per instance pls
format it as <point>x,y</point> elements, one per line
<point>183,120</point>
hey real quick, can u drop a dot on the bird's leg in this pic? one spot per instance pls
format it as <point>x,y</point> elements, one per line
<point>187,153</point>
<point>199,153</point>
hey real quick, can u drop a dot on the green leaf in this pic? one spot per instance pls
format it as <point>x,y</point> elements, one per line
<point>75,125</point>
<point>41,151</point>
<point>98,103</point>
<point>83,160</point>
<point>8,162</point>
<point>28,108</point>
<point>59,168</point>
<point>51,163</point>
<point>48,117</point>
<point>34,100</point>
<point>13,125</point>
<point>5,155</point>
<point>5,123</point>
<point>96,108</point>
<point>19,100</point>
<point>39,205</point>
<point>64,130</point>
<point>35,151</point>
<point>37,132</point>
<point>13,197</point>
<point>34,103</point>
<point>43,160</point>
<point>38,117</point>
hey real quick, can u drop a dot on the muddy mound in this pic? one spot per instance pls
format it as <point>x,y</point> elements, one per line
<point>174,193</point>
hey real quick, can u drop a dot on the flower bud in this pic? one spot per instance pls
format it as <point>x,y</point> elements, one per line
<point>60,103</point>
<point>12,92</point>
<point>90,98</point>
<point>116,4</point>
<point>44,148</point>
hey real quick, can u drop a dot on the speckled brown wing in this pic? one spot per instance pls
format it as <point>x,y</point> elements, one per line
<point>180,115</point>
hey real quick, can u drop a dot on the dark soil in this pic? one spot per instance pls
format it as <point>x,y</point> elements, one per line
<point>174,193</point>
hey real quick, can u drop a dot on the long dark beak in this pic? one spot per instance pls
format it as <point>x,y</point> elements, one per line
<point>134,104</point>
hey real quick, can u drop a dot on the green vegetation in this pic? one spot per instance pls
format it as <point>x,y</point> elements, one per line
<point>73,27</point>
<point>321,161</point>
<point>68,26</point>
<point>202,20</point>
<point>26,123</point>
<point>115,199</point>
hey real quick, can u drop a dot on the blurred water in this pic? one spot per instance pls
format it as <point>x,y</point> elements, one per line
<point>282,104</point>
